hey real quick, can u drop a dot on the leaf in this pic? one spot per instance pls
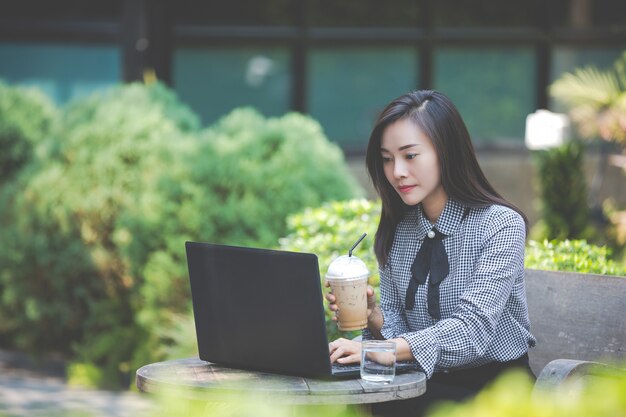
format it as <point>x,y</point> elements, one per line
<point>586,87</point>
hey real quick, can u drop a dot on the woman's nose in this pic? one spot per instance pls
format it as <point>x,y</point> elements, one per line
<point>399,170</point>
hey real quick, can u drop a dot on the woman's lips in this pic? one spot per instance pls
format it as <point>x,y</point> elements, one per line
<point>405,188</point>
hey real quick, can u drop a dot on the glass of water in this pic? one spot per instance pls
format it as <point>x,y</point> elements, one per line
<point>378,361</point>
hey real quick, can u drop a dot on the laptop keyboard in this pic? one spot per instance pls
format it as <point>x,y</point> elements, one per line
<point>346,370</point>
<point>345,367</point>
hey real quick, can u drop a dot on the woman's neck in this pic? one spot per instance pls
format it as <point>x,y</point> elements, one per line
<point>433,205</point>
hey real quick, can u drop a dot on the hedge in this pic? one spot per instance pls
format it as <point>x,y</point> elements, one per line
<point>92,263</point>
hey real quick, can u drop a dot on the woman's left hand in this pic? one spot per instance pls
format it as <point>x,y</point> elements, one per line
<point>344,351</point>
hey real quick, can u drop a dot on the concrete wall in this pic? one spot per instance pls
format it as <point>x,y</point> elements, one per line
<point>514,175</point>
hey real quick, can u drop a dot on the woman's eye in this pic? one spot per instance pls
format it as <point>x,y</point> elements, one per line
<point>386,159</point>
<point>411,155</point>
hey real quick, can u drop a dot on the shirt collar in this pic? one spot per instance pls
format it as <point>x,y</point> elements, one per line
<point>448,221</point>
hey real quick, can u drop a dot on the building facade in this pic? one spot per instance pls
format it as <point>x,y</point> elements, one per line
<point>337,60</point>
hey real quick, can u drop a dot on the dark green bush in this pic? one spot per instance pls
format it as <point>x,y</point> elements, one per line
<point>235,185</point>
<point>66,285</point>
<point>27,117</point>
<point>268,169</point>
<point>93,238</point>
<point>563,191</point>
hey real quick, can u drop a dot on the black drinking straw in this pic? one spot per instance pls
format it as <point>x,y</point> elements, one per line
<point>355,245</point>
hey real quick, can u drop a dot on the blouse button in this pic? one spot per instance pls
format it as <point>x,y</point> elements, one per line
<point>431,234</point>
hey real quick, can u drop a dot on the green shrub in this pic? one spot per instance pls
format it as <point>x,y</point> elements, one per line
<point>235,185</point>
<point>84,375</point>
<point>268,169</point>
<point>573,256</point>
<point>512,395</point>
<point>27,117</point>
<point>92,261</point>
<point>563,191</point>
<point>65,283</point>
<point>330,231</point>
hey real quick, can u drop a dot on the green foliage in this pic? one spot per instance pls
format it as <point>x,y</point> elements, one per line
<point>563,191</point>
<point>92,261</point>
<point>84,375</point>
<point>616,231</point>
<point>330,231</point>
<point>573,256</point>
<point>512,395</point>
<point>268,169</point>
<point>27,117</point>
<point>596,99</point>
<point>66,283</point>
<point>179,339</point>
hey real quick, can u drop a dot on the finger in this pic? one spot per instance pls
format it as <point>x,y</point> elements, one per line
<point>370,291</point>
<point>354,358</point>
<point>338,353</point>
<point>330,297</point>
<point>326,283</point>
<point>336,344</point>
<point>341,347</point>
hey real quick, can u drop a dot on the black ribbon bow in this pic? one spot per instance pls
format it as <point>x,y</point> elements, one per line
<point>432,257</point>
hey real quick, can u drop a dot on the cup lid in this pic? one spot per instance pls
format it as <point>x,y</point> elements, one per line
<point>347,267</point>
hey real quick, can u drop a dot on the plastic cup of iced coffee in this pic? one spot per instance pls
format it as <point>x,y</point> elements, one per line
<point>347,276</point>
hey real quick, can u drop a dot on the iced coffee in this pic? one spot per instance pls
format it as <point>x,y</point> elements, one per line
<point>347,276</point>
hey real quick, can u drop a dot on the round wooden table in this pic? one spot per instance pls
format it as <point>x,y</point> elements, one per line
<point>200,380</point>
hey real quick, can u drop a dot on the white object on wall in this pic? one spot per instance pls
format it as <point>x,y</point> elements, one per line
<point>545,129</point>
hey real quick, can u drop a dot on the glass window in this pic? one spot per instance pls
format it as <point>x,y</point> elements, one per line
<point>62,71</point>
<point>213,81</point>
<point>349,87</point>
<point>493,88</point>
<point>363,13</point>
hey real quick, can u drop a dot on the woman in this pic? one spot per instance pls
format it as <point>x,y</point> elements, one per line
<point>451,256</point>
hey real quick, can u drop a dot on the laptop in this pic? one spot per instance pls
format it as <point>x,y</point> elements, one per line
<point>261,309</point>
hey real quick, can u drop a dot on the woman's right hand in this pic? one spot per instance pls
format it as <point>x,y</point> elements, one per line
<point>332,301</point>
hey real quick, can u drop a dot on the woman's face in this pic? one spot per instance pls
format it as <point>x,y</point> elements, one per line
<point>411,166</point>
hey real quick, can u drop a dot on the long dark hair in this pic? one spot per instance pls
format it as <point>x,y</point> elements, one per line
<point>461,176</point>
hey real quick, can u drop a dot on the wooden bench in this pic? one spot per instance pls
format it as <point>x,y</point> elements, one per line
<point>579,321</point>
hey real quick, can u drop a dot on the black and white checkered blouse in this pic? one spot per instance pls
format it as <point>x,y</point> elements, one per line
<point>484,315</point>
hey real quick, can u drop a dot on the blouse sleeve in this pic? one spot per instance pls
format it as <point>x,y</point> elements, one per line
<point>391,305</point>
<point>465,336</point>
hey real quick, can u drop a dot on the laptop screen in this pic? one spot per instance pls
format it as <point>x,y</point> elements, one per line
<point>258,309</point>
